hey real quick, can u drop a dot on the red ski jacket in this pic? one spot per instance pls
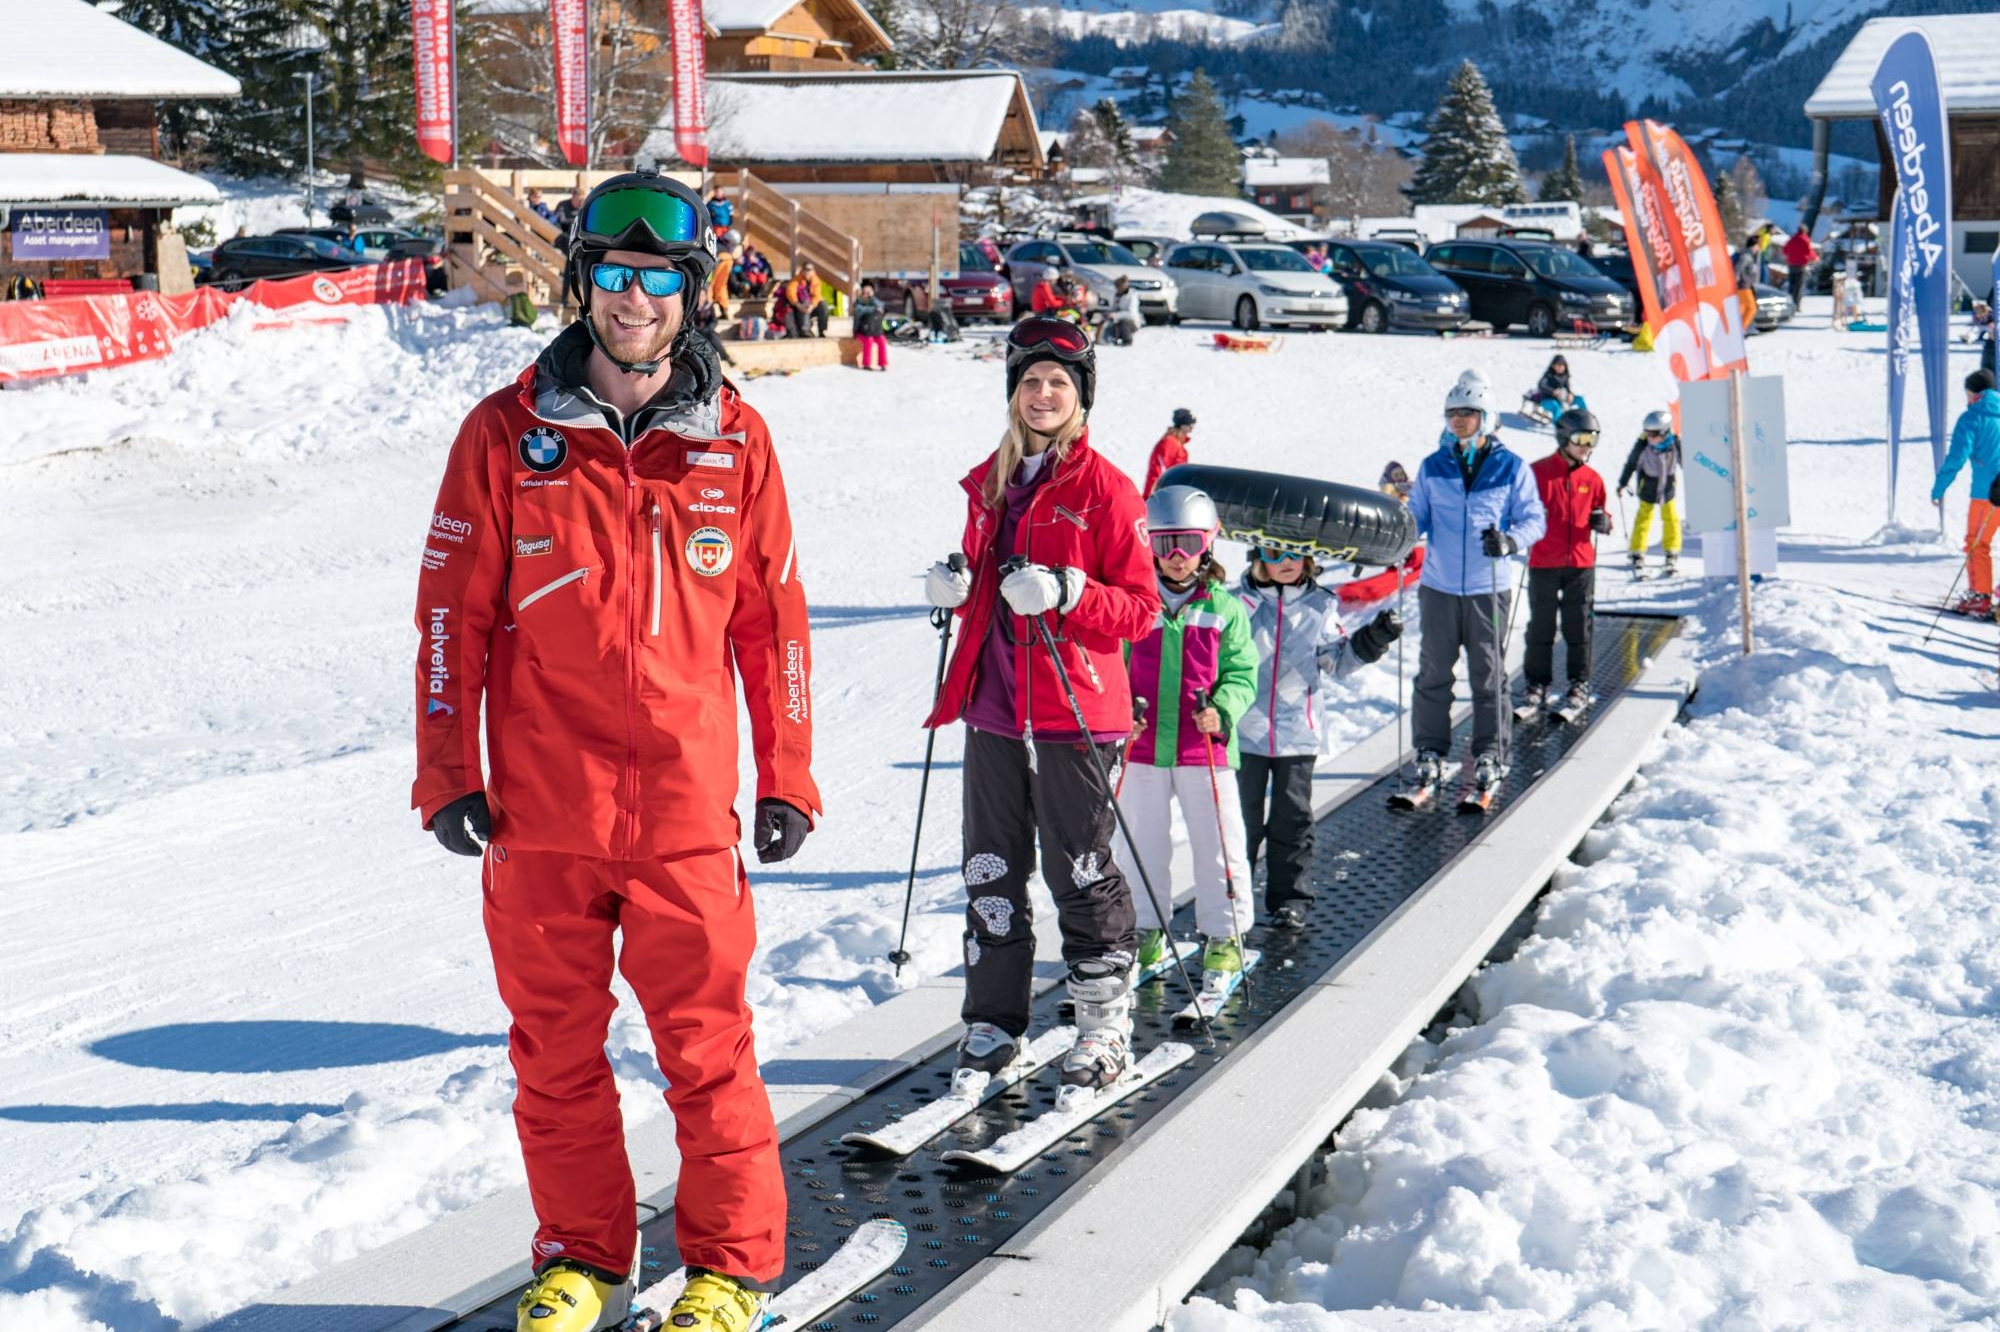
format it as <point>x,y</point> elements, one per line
<point>595,603</point>
<point>1169,452</point>
<point>1085,516</point>
<point>1569,494</point>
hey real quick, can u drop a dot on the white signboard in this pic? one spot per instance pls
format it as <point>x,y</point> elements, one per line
<point>1707,466</point>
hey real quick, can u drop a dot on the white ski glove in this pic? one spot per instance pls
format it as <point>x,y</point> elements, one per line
<point>1036,589</point>
<point>946,587</point>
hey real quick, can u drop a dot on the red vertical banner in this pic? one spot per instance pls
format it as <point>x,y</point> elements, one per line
<point>1707,247</point>
<point>569,20</point>
<point>437,79</point>
<point>690,81</point>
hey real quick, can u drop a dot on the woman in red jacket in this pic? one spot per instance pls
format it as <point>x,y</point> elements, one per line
<point>1046,496</point>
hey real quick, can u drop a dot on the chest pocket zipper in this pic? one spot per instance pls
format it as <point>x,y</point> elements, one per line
<point>573,576</point>
<point>656,570</point>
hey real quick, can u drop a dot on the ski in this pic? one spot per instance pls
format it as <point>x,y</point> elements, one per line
<point>967,1094</point>
<point>873,1248</point>
<point>1415,797</point>
<point>1006,1155</point>
<point>1477,799</point>
<point>1527,712</point>
<point>1943,608</point>
<point>1209,1002</point>
<point>1566,715</point>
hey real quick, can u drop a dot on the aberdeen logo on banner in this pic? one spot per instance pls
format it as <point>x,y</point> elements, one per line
<point>437,79</point>
<point>1910,102</point>
<point>570,21</point>
<point>690,82</point>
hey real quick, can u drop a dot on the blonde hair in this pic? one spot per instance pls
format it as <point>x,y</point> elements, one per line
<point>1014,447</point>
<point>1309,574</point>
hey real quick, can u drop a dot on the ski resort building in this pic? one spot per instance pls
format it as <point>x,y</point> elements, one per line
<point>1295,188</point>
<point>83,192</point>
<point>1967,47</point>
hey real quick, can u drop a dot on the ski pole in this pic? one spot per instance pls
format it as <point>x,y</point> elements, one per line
<point>1139,706</point>
<point>1402,700</point>
<point>1980,540</point>
<point>1118,811</point>
<point>941,621</point>
<point>1203,703</point>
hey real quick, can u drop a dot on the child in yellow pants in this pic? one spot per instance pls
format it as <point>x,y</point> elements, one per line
<point>1655,461</point>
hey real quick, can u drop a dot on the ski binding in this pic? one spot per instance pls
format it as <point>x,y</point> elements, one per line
<point>1209,1002</point>
<point>1006,1155</point>
<point>873,1248</point>
<point>970,1089</point>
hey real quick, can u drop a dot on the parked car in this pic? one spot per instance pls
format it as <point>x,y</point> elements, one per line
<point>973,293</point>
<point>363,212</point>
<point>1387,286</point>
<point>1098,265</point>
<point>1253,284</point>
<point>385,243</point>
<point>1774,307</point>
<point>236,263</point>
<point>1152,250</point>
<point>1545,287</point>
<point>1858,245</point>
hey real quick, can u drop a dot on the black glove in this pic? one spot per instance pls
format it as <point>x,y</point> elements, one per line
<point>1372,639</point>
<point>451,825</point>
<point>777,831</point>
<point>1496,545</point>
<point>1993,491</point>
<point>1600,522</point>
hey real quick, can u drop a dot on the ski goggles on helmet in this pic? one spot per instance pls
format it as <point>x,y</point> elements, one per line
<point>1582,439</point>
<point>1167,544</point>
<point>1059,336</point>
<point>652,281</point>
<point>671,219</point>
<point>1273,555</point>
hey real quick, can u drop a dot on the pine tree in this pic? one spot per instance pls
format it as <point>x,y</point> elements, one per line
<point>1730,206</point>
<point>367,119</point>
<point>246,38</point>
<point>1117,134</point>
<point>1565,184</point>
<point>1467,158</point>
<point>1202,157</point>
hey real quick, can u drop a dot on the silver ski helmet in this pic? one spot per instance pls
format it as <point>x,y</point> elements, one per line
<point>1472,391</point>
<point>1182,509</point>
<point>1659,421</point>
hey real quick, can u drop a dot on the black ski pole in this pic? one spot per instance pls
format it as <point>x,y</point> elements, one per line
<point>941,621</point>
<point>1203,703</point>
<point>1118,811</point>
<point>1401,698</point>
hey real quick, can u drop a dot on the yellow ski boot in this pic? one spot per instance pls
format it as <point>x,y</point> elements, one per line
<point>569,1297</point>
<point>712,1302</point>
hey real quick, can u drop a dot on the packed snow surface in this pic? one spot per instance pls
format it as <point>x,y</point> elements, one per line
<point>1743,1073</point>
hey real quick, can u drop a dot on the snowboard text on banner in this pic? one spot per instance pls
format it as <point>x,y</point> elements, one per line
<point>569,20</point>
<point>1910,101</point>
<point>437,79</point>
<point>1705,244</point>
<point>690,81</point>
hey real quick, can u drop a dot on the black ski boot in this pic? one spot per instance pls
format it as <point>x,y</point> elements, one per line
<point>983,1051</point>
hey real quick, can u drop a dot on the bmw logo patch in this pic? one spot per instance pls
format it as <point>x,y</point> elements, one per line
<point>544,449</point>
<point>709,551</point>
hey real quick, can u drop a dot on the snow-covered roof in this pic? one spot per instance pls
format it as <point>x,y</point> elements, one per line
<point>68,48</point>
<point>1137,211</point>
<point>1967,47</point>
<point>1563,221</point>
<point>86,180</point>
<point>868,116</point>
<point>1274,172</point>
<point>1128,72</point>
<point>1148,133</point>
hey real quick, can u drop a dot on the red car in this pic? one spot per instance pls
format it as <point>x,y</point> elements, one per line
<point>974,292</point>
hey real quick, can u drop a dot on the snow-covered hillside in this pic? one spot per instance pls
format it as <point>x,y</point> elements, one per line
<point>250,1023</point>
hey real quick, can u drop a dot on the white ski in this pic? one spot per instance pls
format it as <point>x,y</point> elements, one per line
<point>1527,712</point>
<point>871,1250</point>
<point>967,1094</point>
<point>1029,1141</point>
<point>1209,1002</point>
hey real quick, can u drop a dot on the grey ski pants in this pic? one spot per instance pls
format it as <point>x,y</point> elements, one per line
<point>1453,625</point>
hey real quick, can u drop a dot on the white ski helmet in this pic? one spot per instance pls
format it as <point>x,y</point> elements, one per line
<point>1182,509</point>
<point>1472,391</point>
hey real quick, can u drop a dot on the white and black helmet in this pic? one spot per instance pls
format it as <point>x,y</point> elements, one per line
<point>1182,509</point>
<point>1472,391</point>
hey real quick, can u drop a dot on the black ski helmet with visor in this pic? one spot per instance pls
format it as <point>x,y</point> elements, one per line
<point>652,214</point>
<point>1039,338</point>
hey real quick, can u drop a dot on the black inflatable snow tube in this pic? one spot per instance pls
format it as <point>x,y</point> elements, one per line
<point>1333,523</point>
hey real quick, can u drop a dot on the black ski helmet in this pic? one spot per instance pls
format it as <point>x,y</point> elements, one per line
<point>654,214</point>
<point>1576,421</point>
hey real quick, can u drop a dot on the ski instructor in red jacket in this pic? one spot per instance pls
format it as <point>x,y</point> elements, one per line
<point>1047,497</point>
<point>611,549</point>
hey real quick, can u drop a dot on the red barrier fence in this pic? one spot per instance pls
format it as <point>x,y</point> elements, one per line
<point>39,339</point>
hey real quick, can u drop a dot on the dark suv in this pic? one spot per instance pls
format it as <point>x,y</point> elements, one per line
<point>1389,287</point>
<point>237,263</point>
<point>1543,286</point>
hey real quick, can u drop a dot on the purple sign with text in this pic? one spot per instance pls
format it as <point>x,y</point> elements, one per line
<point>54,235</point>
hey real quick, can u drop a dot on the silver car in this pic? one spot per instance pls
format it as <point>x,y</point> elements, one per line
<point>1097,265</point>
<point>1251,284</point>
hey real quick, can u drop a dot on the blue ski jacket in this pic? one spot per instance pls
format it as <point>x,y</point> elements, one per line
<point>1976,438</point>
<point>1503,496</point>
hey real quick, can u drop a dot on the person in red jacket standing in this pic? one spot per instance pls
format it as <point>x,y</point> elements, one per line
<point>1799,255</point>
<point>611,549</point>
<point>1171,451</point>
<point>1562,566</point>
<point>1045,496</point>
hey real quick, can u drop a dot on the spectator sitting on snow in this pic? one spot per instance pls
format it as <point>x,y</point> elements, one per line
<point>753,270</point>
<point>1125,316</point>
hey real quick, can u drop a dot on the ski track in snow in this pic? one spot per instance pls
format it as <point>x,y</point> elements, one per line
<point>249,1012</point>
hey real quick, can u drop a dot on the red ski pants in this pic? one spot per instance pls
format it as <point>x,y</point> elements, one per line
<point>688,931</point>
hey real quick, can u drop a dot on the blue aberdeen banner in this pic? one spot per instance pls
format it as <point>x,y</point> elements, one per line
<point>1911,104</point>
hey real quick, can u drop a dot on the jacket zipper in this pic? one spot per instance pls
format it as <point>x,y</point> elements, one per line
<point>656,570</point>
<point>546,588</point>
<point>1277,664</point>
<point>631,656</point>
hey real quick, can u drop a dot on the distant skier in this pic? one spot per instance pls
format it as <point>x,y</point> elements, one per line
<point>1975,439</point>
<point>1199,668</point>
<point>1475,499</point>
<point>1170,451</point>
<point>1656,461</point>
<point>1562,566</point>
<point>584,598</point>
<point>1027,771</point>
<point>1296,630</point>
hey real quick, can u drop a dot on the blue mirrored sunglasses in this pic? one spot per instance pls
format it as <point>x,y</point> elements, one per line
<point>1271,555</point>
<point>652,281</point>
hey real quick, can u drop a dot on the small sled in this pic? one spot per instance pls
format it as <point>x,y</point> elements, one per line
<point>1246,342</point>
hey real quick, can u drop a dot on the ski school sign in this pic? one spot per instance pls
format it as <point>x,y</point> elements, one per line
<point>1910,102</point>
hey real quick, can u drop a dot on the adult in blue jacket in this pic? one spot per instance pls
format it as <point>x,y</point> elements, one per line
<point>1476,501</point>
<point>1975,439</point>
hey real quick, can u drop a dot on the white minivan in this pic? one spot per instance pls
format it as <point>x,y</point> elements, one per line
<point>1253,283</point>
